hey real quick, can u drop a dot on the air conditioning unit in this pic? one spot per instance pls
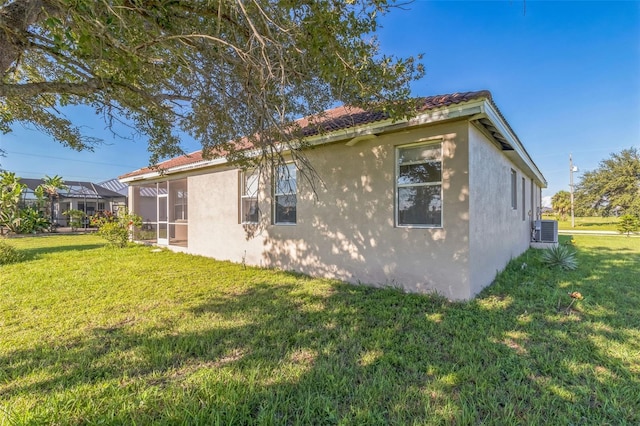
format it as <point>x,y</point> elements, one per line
<point>545,231</point>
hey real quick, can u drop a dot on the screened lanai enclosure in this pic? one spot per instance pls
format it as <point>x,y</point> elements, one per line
<point>88,197</point>
<point>163,208</point>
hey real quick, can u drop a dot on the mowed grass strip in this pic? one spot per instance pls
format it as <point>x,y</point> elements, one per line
<point>94,335</point>
<point>589,223</point>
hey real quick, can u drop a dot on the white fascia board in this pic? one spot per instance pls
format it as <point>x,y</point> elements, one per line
<point>135,178</point>
<point>173,170</point>
<point>519,149</point>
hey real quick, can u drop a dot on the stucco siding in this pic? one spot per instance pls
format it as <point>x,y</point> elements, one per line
<point>214,228</point>
<point>497,231</point>
<point>348,232</point>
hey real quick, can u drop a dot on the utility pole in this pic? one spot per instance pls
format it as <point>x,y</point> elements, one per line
<point>572,169</point>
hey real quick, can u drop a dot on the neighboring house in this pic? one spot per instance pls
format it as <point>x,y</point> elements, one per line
<point>440,202</point>
<point>84,196</point>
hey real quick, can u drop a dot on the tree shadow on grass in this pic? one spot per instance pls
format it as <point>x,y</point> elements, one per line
<point>286,354</point>
<point>39,251</point>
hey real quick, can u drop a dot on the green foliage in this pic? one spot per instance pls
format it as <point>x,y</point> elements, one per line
<point>75,218</point>
<point>9,254</point>
<point>32,221</point>
<point>561,203</point>
<point>628,223</point>
<point>10,194</point>
<point>217,70</point>
<point>614,185</point>
<point>560,256</point>
<point>117,229</point>
<point>49,188</point>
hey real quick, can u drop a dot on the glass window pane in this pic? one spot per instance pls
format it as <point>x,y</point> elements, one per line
<point>178,198</point>
<point>286,209</point>
<point>250,210</point>
<point>420,173</point>
<point>420,205</point>
<point>420,153</point>
<point>251,184</point>
<point>286,182</point>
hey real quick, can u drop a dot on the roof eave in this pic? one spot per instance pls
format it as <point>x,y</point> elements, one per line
<point>473,110</point>
<point>521,154</point>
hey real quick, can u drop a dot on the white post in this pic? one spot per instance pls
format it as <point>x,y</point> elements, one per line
<point>573,222</point>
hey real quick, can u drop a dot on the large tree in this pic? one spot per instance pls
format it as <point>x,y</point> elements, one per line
<point>215,69</point>
<point>613,186</point>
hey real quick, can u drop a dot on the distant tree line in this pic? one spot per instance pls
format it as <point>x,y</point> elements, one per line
<point>613,189</point>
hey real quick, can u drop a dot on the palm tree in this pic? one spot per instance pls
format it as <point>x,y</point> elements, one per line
<point>561,203</point>
<point>50,186</point>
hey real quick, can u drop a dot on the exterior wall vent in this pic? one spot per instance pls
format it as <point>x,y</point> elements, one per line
<point>545,231</point>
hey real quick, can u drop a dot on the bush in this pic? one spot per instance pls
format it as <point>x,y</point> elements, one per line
<point>116,229</point>
<point>560,256</point>
<point>32,221</point>
<point>628,224</point>
<point>9,254</point>
<point>75,218</point>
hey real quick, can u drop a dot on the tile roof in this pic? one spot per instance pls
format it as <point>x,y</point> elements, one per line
<point>340,118</point>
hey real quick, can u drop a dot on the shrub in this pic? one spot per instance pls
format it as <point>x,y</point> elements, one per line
<point>9,254</point>
<point>32,221</point>
<point>116,229</point>
<point>560,256</point>
<point>75,218</point>
<point>628,224</point>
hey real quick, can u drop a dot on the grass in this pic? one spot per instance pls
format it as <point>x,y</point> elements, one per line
<point>92,335</point>
<point>593,223</point>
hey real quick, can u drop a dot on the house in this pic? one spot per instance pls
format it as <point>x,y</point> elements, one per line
<point>440,202</point>
<point>87,197</point>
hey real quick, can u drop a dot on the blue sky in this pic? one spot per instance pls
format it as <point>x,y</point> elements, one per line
<point>566,75</point>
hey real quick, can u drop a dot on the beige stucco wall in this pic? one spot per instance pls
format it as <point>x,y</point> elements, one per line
<point>214,228</point>
<point>497,232</point>
<point>348,232</point>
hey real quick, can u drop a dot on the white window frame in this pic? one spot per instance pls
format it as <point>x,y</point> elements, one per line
<point>434,144</point>
<point>291,172</point>
<point>514,190</point>
<point>524,199</point>
<point>246,196</point>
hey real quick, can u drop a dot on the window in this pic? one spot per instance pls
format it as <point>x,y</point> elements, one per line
<point>285,195</point>
<point>419,185</point>
<point>178,200</point>
<point>514,190</point>
<point>249,212</point>
<point>524,210</point>
<point>101,206</point>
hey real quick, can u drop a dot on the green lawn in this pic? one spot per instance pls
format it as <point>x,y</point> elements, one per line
<point>92,335</point>
<point>587,223</point>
